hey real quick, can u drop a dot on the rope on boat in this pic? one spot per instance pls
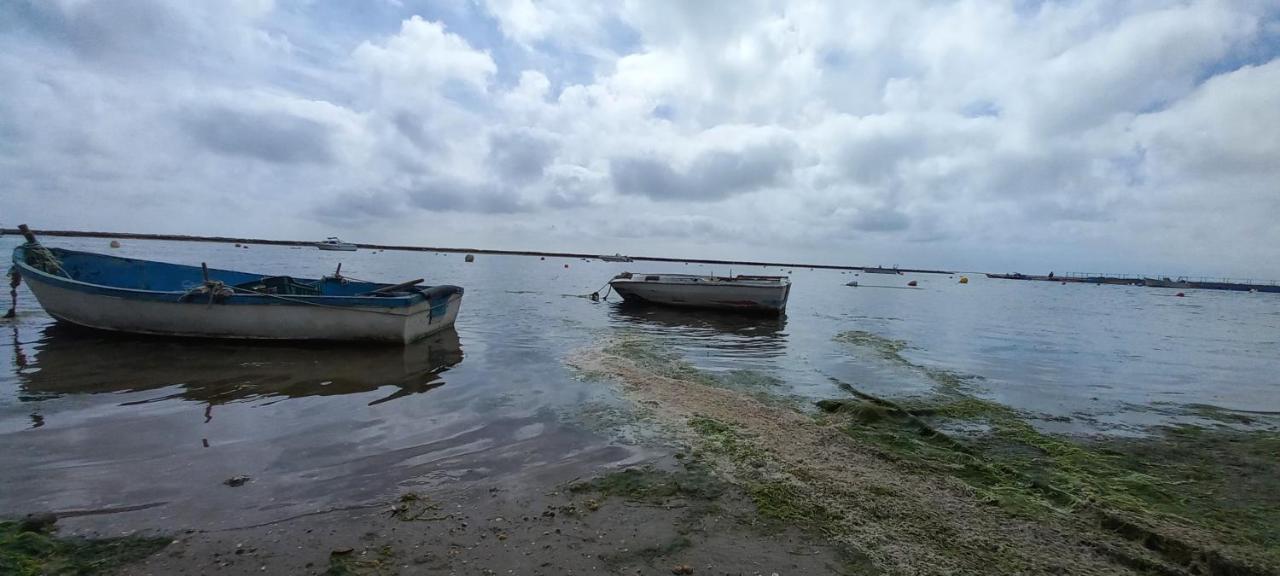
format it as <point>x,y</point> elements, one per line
<point>43,259</point>
<point>232,290</point>
<point>595,296</point>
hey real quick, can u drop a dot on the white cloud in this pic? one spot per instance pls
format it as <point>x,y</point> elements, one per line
<point>968,133</point>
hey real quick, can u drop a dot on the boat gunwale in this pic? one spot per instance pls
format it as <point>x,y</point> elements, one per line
<point>766,282</point>
<point>779,286</point>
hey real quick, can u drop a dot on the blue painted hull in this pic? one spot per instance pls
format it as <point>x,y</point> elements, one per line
<point>147,297</point>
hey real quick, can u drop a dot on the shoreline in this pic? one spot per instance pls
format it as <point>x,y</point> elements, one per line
<point>751,482</point>
<point>408,248</point>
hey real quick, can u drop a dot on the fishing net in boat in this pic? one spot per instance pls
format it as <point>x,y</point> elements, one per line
<point>43,259</point>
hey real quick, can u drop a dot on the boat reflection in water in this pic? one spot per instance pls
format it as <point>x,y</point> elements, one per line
<point>717,335</point>
<point>70,360</point>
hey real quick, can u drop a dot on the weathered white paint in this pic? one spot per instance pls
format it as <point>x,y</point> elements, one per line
<point>285,321</point>
<point>759,293</point>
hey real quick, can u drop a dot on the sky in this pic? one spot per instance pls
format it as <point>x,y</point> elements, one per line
<point>1087,135</point>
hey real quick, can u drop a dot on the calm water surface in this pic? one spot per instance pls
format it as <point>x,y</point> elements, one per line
<point>150,428</point>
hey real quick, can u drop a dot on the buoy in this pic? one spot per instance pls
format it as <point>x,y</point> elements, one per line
<point>115,243</point>
<point>964,279</point>
<point>543,258</point>
<point>1064,283</point>
<point>566,265</point>
<point>1180,295</point>
<point>246,246</point>
<point>470,258</point>
<point>911,283</point>
<point>237,244</point>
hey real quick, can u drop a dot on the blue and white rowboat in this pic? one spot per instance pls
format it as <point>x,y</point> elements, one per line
<point>145,297</point>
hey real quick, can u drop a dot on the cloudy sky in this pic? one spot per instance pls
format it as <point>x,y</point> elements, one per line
<point>1088,135</point>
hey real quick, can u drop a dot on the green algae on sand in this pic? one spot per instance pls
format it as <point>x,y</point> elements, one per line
<point>26,552</point>
<point>1205,499</point>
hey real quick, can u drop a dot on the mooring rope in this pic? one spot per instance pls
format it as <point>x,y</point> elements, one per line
<point>595,296</point>
<point>15,278</point>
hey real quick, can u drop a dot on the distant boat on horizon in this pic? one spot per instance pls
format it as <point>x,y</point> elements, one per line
<point>616,258</point>
<point>882,270</point>
<point>333,243</point>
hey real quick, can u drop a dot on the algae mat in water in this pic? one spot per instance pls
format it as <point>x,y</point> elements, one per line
<point>884,478</point>
<point>1206,499</point>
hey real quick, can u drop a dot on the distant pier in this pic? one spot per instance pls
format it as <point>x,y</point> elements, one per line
<point>1198,283</point>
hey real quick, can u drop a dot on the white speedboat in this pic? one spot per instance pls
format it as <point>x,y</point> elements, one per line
<point>333,243</point>
<point>615,258</point>
<point>752,293</point>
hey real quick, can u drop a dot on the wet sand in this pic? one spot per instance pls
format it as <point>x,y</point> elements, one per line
<point>541,526</point>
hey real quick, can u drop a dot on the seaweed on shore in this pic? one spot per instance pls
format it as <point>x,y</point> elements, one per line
<point>26,550</point>
<point>1205,498</point>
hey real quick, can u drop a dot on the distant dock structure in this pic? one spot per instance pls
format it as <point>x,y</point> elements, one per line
<point>1158,281</point>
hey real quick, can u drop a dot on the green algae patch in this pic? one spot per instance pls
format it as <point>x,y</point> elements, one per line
<point>776,498</point>
<point>36,553</point>
<point>1207,500</point>
<point>369,562</point>
<point>656,359</point>
<point>653,358</point>
<point>693,481</point>
<point>887,348</point>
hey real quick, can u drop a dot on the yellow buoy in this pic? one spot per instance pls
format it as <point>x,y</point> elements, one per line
<point>964,279</point>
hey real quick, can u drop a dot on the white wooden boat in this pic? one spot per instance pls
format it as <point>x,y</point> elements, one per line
<point>751,293</point>
<point>334,244</point>
<point>145,297</point>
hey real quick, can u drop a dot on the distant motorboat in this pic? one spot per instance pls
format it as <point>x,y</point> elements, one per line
<point>616,258</point>
<point>751,293</point>
<point>882,270</point>
<point>146,297</point>
<point>334,244</point>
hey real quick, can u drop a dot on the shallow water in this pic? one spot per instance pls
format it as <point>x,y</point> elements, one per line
<point>150,428</point>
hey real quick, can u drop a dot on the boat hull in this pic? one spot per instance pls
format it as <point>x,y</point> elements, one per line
<point>337,247</point>
<point>284,321</point>
<point>768,299</point>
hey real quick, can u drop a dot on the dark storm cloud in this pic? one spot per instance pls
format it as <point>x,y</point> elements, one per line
<point>269,136</point>
<point>713,175</point>
<point>520,156</point>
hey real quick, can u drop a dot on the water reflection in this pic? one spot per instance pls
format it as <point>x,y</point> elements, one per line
<point>69,360</point>
<point>723,333</point>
